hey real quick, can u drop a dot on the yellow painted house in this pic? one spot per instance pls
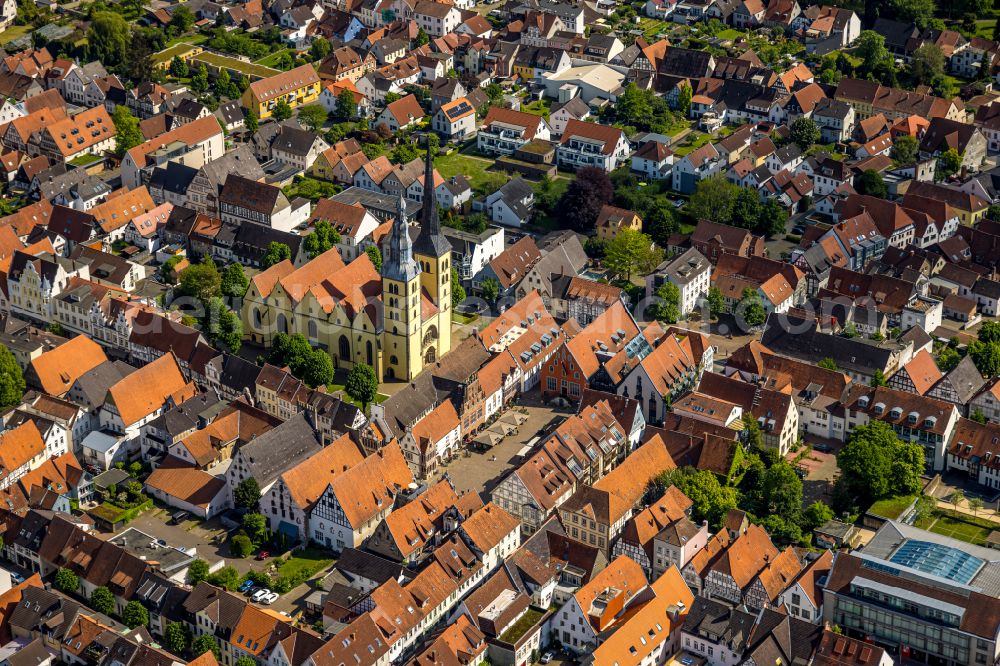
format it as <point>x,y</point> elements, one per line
<point>297,86</point>
<point>398,322</point>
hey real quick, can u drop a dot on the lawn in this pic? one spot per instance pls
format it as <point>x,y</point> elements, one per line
<point>167,54</point>
<point>730,33</point>
<point>334,387</point>
<point>85,160</point>
<point>984,28</point>
<point>196,38</point>
<point>272,59</point>
<point>692,142</point>
<point>891,508</point>
<point>304,563</point>
<point>13,32</point>
<point>252,70</point>
<point>538,107</point>
<point>476,170</point>
<point>651,27</point>
<point>957,529</point>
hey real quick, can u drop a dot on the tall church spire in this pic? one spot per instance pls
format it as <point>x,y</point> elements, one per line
<point>399,264</point>
<point>431,242</point>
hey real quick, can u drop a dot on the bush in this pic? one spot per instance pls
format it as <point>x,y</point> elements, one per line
<point>241,546</point>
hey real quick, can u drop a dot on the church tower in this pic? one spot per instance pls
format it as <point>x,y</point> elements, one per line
<point>401,353</point>
<point>433,252</point>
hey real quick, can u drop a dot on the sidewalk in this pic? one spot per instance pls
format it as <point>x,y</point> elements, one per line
<point>984,513</point>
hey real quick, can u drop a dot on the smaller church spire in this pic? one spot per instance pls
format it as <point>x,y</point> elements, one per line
<point>400,265</point>
<point>431,242</point>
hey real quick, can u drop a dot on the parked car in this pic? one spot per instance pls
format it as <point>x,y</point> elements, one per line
<point>179,517</point>
<point>269,598</point>
<point>263,555</point>
<point>546,658</point>
<point>245,587</point>
<point>16,578</point>
<point>260,594</point>
<point>823,448</point>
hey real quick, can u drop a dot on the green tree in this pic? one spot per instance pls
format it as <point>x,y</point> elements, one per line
<point>312,116</point>
<point>870,182</point>
<point>978,416</point>
<point>919,11</point>
<point>713,199</point>
<point>108,37</point>
<point>66,581</point>
<point>975,504</point>
<point>103,601</point>
<point>634,106</point>
<point>457,290</point>
<point>746,208</point>
<point>993,212</point>
<point>491,290</point>
<point>319,49</point>
<point>904,149</point>
<point>12,383</point>
<point>205,643</point>
<point>276,253</point>
<point>878,379</point>
<point>251,122</point>
<point>710,499</point>
<point>773,218</point>
<point>177,638</point>
<point>135,615</point>
<point>782,491</point>
<point>816,515</point>
<point>255,525</point>
<point>245,661</point>
<point>226,577</point>
<point>422,37</point>
<point>750,308</point>
<point>804,132</point>
<point>876,464</point>
<point>870,47</point>
<point>322,238</point>
<point>926,507</point>
<point>224,86</point>
<point>631,252</point>
<point>182,18</point>
<point>201,280</point>
<point>716,301</point>
<point>246,494</point>
<point>951,161</point>
<point>668,309</point>
<point>127,131</point>
<point>362,384</point>
<point>829,364</point>
<point>199,80</point>
<point>234,281</point>
<point>956,498</point>
<point>179,68</point>
<point>375,255</point>
<point>927,64</point>
<point>346,108</point>
<point>316,369</point>
<point>197,572</point>
<point>241,546</point>
<point>986,357</point>
<point>282,111</point>
<point>684,96</point>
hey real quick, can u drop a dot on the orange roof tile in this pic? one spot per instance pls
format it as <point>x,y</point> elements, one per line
<point>19,446</point>
<point>58,369</point>
<point>144,391</point>
<point>307,480</point>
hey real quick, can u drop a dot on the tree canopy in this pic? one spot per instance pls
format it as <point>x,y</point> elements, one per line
<point>631,252</point>
<point>581,203</point>
<point>322,238</point>
<point>362,384</point>
<point>127,131</point>
<point>876,464</point>
<point>12,382</point>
